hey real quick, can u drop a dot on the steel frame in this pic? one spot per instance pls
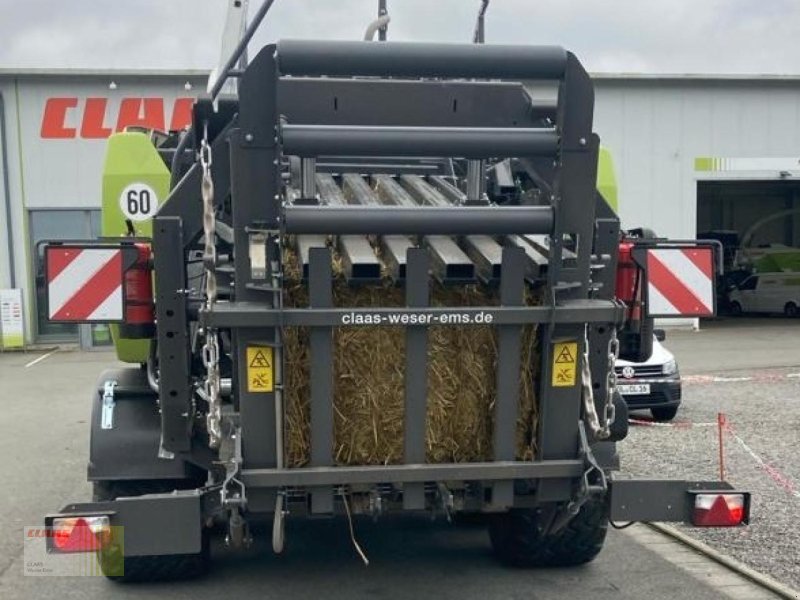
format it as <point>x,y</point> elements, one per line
<point>278,116</point>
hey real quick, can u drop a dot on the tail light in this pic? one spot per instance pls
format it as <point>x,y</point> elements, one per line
<point>721,509</point>
<point>80,534</point>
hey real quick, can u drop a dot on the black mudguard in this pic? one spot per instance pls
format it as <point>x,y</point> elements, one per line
<point>129,449</point>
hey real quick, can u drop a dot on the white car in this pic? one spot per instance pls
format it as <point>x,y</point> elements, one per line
<point>767,293</point>
<point>654,384</point>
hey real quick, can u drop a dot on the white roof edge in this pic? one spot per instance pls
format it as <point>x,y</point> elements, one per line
<point>696,76</point>
<point>607,75</point>
<point>69,72</point>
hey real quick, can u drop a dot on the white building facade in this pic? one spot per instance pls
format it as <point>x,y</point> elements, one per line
<point>670,137</point>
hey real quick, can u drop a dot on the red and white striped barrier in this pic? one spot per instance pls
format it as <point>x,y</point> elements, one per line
<point>680,282</point>
<point>778,478</point>
<point>84,284</point>
<point>673,424</point>
<point>757,378</point>
<point>773,472</point>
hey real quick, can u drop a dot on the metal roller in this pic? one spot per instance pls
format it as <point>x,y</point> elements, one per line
<point>463,142</point>
<point>404,59</point>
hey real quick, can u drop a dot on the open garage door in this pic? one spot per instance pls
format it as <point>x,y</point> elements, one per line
<point>758,224</point>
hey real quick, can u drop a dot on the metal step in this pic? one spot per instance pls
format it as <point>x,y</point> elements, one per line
<point>393,251</point>
<point>485,253</point>
<point>535,261</point>
<point>393,247</point>
<point>422,192</point>
<point>449,263</point>
<point>303,245</point>
<point>358,257</point>
<point>542,244</point>
<point>447,189</point>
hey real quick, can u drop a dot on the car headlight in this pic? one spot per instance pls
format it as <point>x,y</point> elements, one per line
<point>670,367</point>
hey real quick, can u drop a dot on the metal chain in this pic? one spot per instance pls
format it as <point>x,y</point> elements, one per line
<point>211,386</point>
<point>611,380</point>
<point>598,430</point>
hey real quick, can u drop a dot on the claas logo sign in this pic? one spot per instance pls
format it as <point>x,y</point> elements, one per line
<point>97,118</point>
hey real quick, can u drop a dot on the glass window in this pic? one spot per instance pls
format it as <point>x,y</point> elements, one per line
<point>749,284</point>
<point>57,225</point>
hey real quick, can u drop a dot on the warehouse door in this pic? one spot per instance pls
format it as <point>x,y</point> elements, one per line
<point>758,224</point>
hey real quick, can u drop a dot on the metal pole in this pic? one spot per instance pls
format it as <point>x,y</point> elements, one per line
<point>241,48</point>
<point>479,36</point>
<point>308,172</point>
<point>721,424</point>
<point>7,195</point>
<point>382,12</point>
<point>475,180</point>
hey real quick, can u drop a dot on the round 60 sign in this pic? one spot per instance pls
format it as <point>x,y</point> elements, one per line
<point>138,202</point>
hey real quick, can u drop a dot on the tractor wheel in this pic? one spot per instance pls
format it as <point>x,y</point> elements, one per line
<point>168,567</point>
<point>790,310</point>
<point>517,538</point>
<point>664,413</point>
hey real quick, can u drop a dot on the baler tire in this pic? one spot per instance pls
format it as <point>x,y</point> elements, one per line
<point>140,569</point>
<point>517,540</point>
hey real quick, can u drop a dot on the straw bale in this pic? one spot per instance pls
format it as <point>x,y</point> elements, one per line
<point>369,379</point>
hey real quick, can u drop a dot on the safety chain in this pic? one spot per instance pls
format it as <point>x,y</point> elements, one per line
<point>598,430</point>
<point>211,386</point>
<point>611,381</point>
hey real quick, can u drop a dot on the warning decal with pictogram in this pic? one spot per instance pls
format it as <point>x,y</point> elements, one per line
<point>259,369</point>
<point>565,356</point>
<point>260,360</point>
<point>565,364</point>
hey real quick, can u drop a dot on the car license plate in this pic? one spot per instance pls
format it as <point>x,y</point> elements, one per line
<point>634,389</point>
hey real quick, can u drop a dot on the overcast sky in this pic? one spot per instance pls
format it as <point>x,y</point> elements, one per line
<point>660,36</point>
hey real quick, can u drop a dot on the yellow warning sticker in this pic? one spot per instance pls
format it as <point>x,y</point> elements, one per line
<point>565,364</point>
<point>259,369</point>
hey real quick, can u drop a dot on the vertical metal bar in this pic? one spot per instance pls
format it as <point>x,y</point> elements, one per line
<point>605,249</point>
<point>255,199</point>
<point>321,355</point>
<point>575,183</point>
<point>382,12</point>
<point>574,190</point>
<point>476,181</point>
<point>308,173</point>
<point>173,341</point>
<point>512,290</point>
<point>559,410</point>
<point>479,36</point>
<point>241,48</point>
<point>416,378</point>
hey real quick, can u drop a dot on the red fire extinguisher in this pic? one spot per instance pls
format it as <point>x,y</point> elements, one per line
<point>140,313</point>
<point>637,333</point>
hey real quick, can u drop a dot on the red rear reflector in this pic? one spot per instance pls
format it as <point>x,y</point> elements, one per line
<point>80,534</point>
<point>719,510</point>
